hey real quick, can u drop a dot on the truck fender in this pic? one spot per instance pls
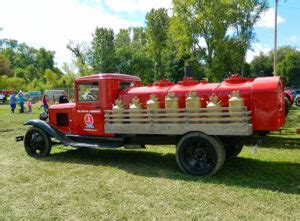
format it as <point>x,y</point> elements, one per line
<point>52,132</point>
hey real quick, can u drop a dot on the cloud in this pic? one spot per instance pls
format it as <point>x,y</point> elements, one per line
<point>257,48</point>
<point>52,23</point>
<point>267,19</point>
<point>137,5</point>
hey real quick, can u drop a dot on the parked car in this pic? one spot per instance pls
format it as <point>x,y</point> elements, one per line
<point>296,94</point>
<point>4,94</point>
<point>297,100</point>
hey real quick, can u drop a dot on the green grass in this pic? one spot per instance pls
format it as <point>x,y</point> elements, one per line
<point>146,184</point>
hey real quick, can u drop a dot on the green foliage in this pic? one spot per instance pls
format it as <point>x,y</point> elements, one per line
<point>288,65</point>
<point>103,50</point>
<point>220,42</point>
<point>16,83</point>
<point>3,81</point>
<point>5,66</point>
<point>25,67</point>
<point>157,24</point>
<point>262,65</point>
<point>289,68</point>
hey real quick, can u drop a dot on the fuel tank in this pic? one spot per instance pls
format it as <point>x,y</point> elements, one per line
<point>263,96</point>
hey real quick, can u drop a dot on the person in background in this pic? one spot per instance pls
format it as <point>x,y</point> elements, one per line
<point>45,103</point>
<point>29,105</point>
<point>4,99</point>
<point>13,102</point>
<point>21,101</point>
<point>63,98</point>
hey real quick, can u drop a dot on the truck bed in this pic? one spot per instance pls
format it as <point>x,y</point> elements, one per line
<point>180,121</point>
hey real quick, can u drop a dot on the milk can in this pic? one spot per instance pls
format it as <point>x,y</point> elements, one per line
<point>236,104</point>
<point>192,101</point>
<point>213,106</point>
<point>171,104</point>
<point>134,109</point>
<point>118,110</point>
<point>152,106</point>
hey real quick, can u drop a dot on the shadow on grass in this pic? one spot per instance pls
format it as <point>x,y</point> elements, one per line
<point>242,172</point>
<point>283,142</point>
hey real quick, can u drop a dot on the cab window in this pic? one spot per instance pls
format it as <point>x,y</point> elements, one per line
<point>88,92</point>
<point>126,85</point>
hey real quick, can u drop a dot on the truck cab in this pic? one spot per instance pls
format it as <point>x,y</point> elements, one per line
<point>93,95</point>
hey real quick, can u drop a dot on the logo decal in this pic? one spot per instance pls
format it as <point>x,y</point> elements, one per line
<point>89,121</point>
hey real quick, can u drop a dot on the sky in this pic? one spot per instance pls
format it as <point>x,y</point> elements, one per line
<point>53,23</point>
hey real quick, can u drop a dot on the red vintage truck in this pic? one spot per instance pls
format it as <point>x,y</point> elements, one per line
<point>204,137</point>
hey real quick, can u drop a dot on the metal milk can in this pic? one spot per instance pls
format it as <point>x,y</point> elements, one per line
<point>236,104</point>
<point>118,110</point>
<point>171,104</point>
<point>152,105</point>
<point>134,109</point>
<point>213,106</point>
<point>192,101</point>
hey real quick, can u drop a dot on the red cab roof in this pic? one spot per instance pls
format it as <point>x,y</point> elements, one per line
<point>103,76</point>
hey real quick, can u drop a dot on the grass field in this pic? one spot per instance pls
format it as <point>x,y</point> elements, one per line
<point>146,184</point>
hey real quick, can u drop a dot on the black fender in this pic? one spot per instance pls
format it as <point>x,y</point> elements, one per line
<point>65,140</point>
<point>51,131</point>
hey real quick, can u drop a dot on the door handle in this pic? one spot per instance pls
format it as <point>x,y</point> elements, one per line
<point>97,106</point>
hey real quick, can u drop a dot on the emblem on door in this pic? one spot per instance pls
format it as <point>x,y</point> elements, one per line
<point>89,121</point>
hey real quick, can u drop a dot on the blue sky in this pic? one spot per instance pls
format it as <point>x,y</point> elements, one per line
<point>288,28</point>
<point>53,23</point>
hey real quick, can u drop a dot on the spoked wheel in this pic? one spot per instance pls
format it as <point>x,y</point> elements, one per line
<point>37,143</point>
<point>199,154</point>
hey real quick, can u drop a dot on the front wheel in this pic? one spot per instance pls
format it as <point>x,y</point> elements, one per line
<point>200,154</point>
<point>37,142</point>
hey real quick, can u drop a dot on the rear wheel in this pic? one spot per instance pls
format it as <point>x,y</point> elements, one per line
<point>200,154</point>
<point>233,150</point>
<point>37,142</point>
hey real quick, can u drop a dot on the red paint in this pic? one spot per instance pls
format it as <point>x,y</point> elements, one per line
<point>264,97</point>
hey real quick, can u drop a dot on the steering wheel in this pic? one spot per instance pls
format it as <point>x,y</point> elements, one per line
<point>90,97</point>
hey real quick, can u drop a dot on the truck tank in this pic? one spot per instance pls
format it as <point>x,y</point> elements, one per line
<point>263,96</point>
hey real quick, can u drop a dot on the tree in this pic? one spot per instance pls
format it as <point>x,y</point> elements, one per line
<point>44,60</point>
<point>289,68</point>
<point>16,84</point>
<point>51,78</point>
<point>246,13</point>
<point>123,38</point>
<point>261,66</point>
<point>5,66</point>
<point>103,50</point>
<point>81,54</point>
<point>157,24</point>
<point>213,41</point>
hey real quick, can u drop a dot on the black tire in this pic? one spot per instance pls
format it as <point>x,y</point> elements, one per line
<point>200,154</point>
<point>287,106</point>
<point>233,150</point>
<point>297,101</point>
<point>37,142</point>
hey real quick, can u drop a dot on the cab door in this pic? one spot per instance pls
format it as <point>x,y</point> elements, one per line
<point>89,119</point>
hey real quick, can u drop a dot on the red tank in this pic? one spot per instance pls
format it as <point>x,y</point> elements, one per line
<point>263,96</point>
